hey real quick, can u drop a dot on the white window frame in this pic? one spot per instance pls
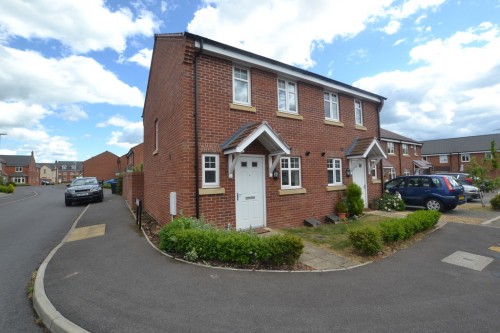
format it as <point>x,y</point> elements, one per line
<point>373,168</point>
<point>443,159</point>
<point>487,156</point>
<point>289,169</point>
<point>19,169</point>
<point>406,172</point>
<point>334,166</point>
<point>156,137</point>
<point>392,173</point>
<point>243,80</point>
<point>358,112</point>
<point>215,168</point>
<point>332,100</point>
<point>64,167</point>
<point>288,96</point>
<point>415,151</point>
<point>406,149</point>
<point>465,158</point>
<point>390,148</point>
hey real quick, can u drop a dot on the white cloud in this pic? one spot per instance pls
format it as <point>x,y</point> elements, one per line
<point>16,114</point>
<point>143,57</point>
<point>129,135</point>
<point>82,25</point>
<point>455,80</point>
<point>30,77</point>
<point>291,31</point>
<point>73,113</point>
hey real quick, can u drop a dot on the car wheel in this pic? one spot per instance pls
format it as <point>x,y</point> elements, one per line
<point>67,202</point>
<point>434,204</point>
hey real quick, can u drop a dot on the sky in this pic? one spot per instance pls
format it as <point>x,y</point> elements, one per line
<point>73,74</point>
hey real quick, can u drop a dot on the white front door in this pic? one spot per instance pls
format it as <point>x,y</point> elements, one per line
<point>250,198</point>
<point>358,168</point>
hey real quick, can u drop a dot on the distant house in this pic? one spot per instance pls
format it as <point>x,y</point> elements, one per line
<point>103,166</point>
<point>456,154</point>
<point>20,169</point>
<point>135,158</point>
<point>4,178</point>
<point>404,156</point>
<point>66,171</point>
<point>250,142</point>
<point>47,171</point>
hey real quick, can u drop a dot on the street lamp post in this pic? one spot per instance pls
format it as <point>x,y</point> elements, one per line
<point>1,139</point>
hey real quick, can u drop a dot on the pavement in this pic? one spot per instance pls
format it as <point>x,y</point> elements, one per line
<point>100,241</point>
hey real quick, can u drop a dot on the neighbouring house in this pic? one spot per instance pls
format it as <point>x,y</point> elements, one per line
<point>103,166</point>
<point>66,171</point>
<point>404,156</point>
<point>132,176</point>
<point>47,171</point>
<point>134,159</point>
<point>4,178</point>
<point>456,154</point>
<point>249,142</point>
<point>20,169</point>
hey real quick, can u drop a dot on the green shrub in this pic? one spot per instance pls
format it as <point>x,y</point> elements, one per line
<point>366,240</point>
<point>495,202</point>
<point>7,189</point>
<point>392,230</point>
<point>424,219</point>
<point>198,240</point>
<point>390,202</point>
<point>354,199</point>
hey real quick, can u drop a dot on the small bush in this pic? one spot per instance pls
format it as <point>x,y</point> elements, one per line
<point>354,199</point>
<point>495,202</point>
<point>389,202</point>
<point>7,189</point>
<point>395,230</point>
<point>198,240</point>
<point>424,219</point>
<point>392,231</point>
<point>366,240</point>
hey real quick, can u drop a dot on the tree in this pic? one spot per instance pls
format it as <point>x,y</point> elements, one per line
<point>494,155</point>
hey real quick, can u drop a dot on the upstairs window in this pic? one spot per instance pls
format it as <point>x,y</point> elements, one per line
<point>358,112</point>
<point>390,148</point>
<point>210,170</point>
<point>287,96</point>
<point>405,149</point>
<point>331,106</point>
<point>443,158</point>
<point>290,172</point>
<point>465,157</point>
<point>64,167</point>
<point>241,86</point>
<point>19,169</point>
<point>334,166</point>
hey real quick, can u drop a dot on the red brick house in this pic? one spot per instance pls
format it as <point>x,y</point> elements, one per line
<point>103,166</point>
<point>134,159</point>
<point>20,169</point>
<point>456,154</point>
<point>247,141</point>
<point>404,156</point>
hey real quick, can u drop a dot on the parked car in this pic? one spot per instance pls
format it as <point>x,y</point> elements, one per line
<point>47,182</point>
<point>471,192</point>
<point>434,192</point>
<point>458,175</point>
<point>85,189</point>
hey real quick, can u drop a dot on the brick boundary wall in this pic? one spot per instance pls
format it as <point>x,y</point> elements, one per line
<point>133,187</point>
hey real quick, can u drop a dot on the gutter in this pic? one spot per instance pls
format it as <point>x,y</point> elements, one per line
<point>196,135</point>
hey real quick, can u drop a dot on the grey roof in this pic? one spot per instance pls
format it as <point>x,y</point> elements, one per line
<point>386,134</point>
<point>79,164</point>
<point>51,166</point>
<point>469,144</point>
<point>16,160</point>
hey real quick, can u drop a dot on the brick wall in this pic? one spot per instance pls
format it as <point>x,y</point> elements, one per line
<point>170,100</point>
<point>133,187</point>
<point>102,166</point>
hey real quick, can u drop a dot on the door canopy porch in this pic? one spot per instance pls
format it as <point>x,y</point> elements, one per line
<point>248,133</point>
<point>366,148</point>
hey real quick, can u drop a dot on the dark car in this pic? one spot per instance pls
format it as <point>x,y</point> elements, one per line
<point>86,189</point>
<point>47,182</point>
<point>434,192</point>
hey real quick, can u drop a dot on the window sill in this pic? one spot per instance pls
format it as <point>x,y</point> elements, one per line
<point>211,191</point>
<point>289,115</point>
<point>406,155</point>
<point>391,154</point>
<point>376,181</point>
<point>293,191</point>
<point>336,188</point>
<point>240,107</point>
<point>361,127</point>
<point>334,123</point>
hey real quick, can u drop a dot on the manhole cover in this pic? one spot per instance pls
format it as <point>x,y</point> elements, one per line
<point>468,260</point>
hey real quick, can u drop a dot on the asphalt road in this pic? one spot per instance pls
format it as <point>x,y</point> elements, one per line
<point>33,220</point>
<point>118,283</point>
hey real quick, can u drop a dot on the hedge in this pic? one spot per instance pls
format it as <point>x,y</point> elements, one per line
<point>7,189</point>
<point>368,239</point>
<point>198,240</point>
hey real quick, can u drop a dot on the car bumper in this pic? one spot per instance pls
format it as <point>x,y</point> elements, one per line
<point>87,197</point>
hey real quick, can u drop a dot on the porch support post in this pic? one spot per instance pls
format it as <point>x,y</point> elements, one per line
<point>233,159</point>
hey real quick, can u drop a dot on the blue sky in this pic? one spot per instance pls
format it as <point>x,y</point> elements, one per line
<point>73,74</point>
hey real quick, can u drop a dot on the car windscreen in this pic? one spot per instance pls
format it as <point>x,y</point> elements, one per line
<point>79,182</point>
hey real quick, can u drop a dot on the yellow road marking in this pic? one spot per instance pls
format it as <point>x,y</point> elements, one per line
<point>87,232</point>
<point>495,248</point>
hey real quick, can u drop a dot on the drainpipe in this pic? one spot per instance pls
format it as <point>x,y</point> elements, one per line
<point>196,138</point>
<point>381,167</point>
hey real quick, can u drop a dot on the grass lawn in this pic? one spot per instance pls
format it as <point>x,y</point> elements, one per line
<point>333,236</point>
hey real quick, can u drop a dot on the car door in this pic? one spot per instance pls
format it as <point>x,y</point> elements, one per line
<point>412,192</point>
